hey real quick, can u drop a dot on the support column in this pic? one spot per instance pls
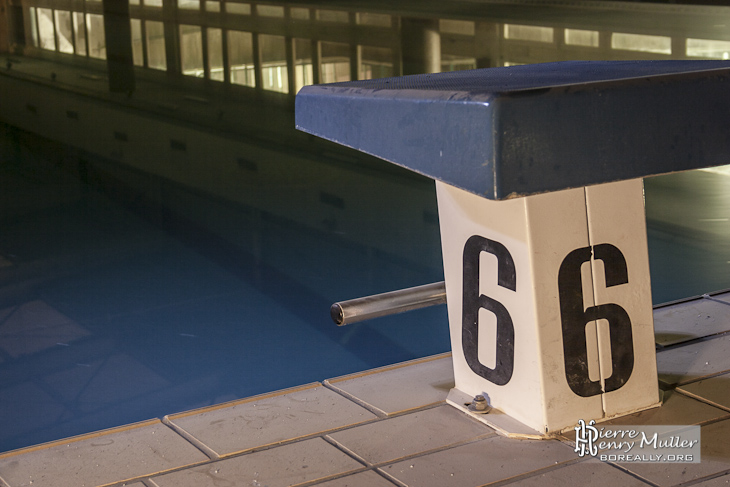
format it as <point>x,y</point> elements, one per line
<point>118,37</point>
<point>549,303</point>
<point>420,46</point>
<point>487,44</point>
<point>5,26</point>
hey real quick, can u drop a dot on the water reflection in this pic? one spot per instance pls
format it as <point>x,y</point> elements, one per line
<point>127,295</point>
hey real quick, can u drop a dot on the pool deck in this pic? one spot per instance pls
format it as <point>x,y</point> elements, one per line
<point>391,426</point>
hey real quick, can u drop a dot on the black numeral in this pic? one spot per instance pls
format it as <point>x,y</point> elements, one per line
<point>574,320</point>
<point>474,301</point>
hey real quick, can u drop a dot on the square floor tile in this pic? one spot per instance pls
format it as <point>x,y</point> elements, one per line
<point>271,418</point>
<point>401,387</point>
<point>292,464</point>
<point>695,361</point>
<point>715,459</point>
<point>100,458</point>
<point>416,432</point>
<point>689,320</point>
<point>715,390</point>
<point>489,460</point>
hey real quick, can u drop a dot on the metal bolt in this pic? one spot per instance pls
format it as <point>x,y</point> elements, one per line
<point>480,404</point>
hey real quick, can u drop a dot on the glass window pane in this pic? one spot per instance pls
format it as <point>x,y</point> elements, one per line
<point>376,62</point>
<point>641,42</point>
<point>152,3</point>
<point>46,36</point>
<point>528,33</point>
<point>215,54</point>
<point>134,2</point>
<point>303,73</point>
<point>238,8</point>
<point>155,33</point>
<point>270,10</point>
<point>80,33</point>
<point>64,31</point>
<point>299,13</point>
<point>191,50</point>
<point>137,44</point>
<point>461,27</point>
<point>240,58</point>
<point>378,20</point>
<point>213,6</point>
<point>333,16</point>
<point>578,37</point>
<point>95,34</point>
<point>33,26</point>
<point>273,63</point>
<point>708,48</point>
<point>335,62</point>
<point>188,4</point>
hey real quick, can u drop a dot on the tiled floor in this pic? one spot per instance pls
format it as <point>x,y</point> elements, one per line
<point>391,427</point>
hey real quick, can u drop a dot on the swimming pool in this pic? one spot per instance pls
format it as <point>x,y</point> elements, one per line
<point>108,316</point>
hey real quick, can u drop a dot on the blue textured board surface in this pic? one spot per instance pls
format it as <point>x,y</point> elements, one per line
<point>514,131</point>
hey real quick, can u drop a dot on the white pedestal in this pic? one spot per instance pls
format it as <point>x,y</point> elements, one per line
<point>549,302</point>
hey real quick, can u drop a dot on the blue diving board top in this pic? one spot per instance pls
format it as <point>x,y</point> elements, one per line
<point>521,130</point>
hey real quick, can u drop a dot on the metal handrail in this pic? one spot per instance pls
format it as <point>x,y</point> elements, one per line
<point>377,305</point>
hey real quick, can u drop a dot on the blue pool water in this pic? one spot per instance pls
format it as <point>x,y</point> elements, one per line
<point>108,316</point>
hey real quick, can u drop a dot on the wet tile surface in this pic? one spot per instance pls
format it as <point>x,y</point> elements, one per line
<point>715,459</point>
<point>695,361</point>
<point>107,457</point>
<point>305,461</point>
<point>489,460</point>
<point>394,438</point>
<point>400,388</point>
<point>715,390</point>
<point>263,420</point>
<point>689,320</point>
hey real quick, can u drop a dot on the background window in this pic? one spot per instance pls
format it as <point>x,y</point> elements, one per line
<point>46,35</point>
<point>240,58</point>
<point>79,33</point>
<point>335,62</point>
<point>274,74</point>
<point>137,45</point>
<point>95,34</point>
<point>303,72</point>
<point>215,54</point>
<point>191,51</point>
<point>64,32</point>
<point>155,33</point>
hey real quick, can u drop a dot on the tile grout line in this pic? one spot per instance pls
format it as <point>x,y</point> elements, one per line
<point>205,449</point>
<point>693,341</point>
<point>346,450</point>
<point>702,399</point>
<point>376,411</point>
<point>389,477</point>
<point>674,385</point>
<point>631,473</point>
<point>704,479</point>
<point>710,298</point>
